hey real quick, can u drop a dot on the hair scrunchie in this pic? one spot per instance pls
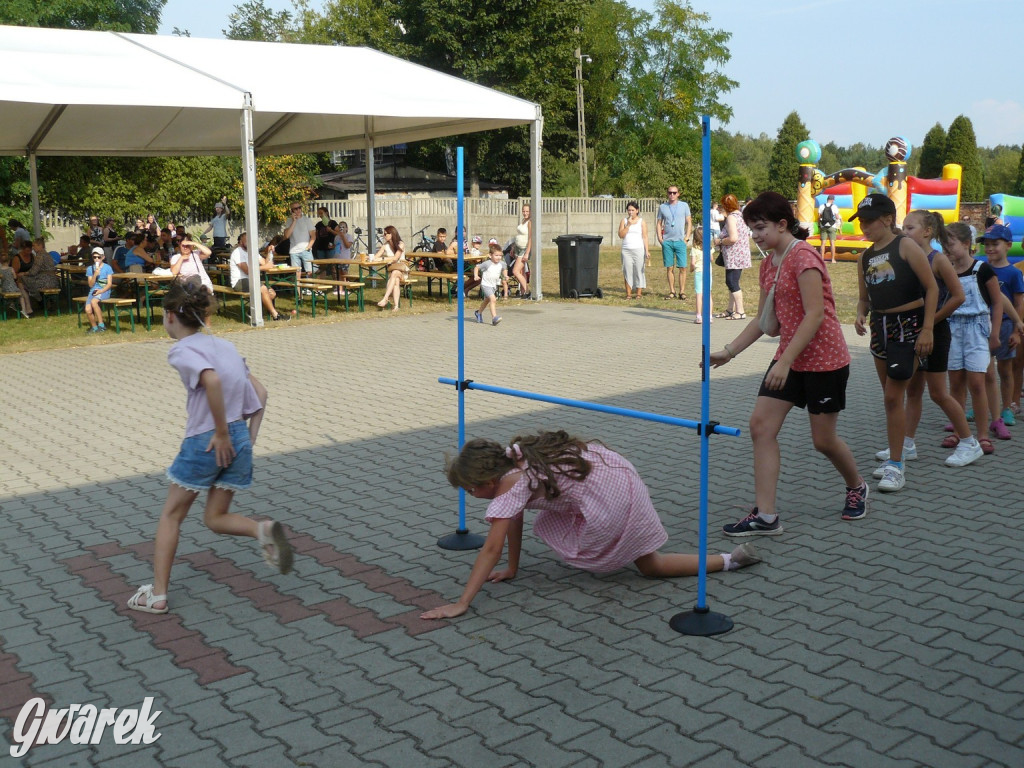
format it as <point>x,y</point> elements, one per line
<point>514,452</point>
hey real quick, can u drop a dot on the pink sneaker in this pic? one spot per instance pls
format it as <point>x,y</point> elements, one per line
<point>998,428</point>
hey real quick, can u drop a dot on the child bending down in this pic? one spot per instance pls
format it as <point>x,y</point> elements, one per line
<point>594,511</point>
<point>216,455</point>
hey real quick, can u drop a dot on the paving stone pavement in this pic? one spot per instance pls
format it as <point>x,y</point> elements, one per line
<point>893,641</point>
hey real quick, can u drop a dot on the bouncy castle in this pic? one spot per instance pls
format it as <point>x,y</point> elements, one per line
<point>1013,216</point>
<point>850,185</point>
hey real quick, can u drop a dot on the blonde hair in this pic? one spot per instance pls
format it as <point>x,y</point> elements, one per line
<point>548,456</point>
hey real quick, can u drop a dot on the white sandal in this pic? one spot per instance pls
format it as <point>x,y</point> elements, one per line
<point>146,591</point>
<point>276,549</point>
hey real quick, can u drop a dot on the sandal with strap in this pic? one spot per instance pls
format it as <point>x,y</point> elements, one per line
<point>738,316</point>
<point>986,446</point>
<point>950,441</point>
<point>724,315</point>
<point>277,552</point>
<point>135,602</point>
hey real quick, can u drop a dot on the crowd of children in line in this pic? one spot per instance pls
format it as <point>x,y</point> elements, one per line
<point>932,310</point>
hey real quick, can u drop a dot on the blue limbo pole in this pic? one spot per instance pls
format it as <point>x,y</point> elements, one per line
<point>555,400</point>
<point>701,620</point>
<point>462,538</point>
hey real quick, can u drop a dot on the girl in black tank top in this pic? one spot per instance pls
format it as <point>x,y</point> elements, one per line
<point>897,285</point>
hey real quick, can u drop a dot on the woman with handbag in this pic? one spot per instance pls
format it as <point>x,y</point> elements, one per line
<point>810,368</point>
<point>392,252</point>
<point>734,242</point>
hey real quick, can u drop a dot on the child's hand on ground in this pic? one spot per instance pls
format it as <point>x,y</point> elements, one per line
<point>504,575</point>
<point>449,611</point>
<point>225,450</point>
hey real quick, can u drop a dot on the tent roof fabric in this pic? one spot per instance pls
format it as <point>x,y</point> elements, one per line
<point>68,92</point>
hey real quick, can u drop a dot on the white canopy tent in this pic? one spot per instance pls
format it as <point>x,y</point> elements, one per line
<point>66,92</point>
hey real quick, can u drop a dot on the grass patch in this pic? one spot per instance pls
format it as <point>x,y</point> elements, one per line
<point>55,332</point>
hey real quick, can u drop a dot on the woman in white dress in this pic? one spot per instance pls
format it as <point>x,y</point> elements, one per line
<point>635,253</point>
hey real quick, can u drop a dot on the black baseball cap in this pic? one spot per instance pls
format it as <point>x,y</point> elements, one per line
<point>874,206</point>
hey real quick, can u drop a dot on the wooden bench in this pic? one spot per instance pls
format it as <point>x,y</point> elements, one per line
<point>451,277</point>
<point>319,289</point>
<point>14,301</point>
<point>229,293</point>
<point>50,294</point>
<point>117,306</point>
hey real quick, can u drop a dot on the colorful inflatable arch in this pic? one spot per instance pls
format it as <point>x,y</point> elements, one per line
<point>851,185</point>
<point>1013,217</point>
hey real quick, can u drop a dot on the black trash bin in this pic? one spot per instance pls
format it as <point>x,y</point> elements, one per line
<point>578,260</point>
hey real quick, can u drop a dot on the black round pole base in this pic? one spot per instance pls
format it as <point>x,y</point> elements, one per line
<point>461,539</point>
<point>701,622</point>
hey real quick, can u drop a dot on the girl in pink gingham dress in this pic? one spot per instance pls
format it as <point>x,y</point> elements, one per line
<point>594,511</point>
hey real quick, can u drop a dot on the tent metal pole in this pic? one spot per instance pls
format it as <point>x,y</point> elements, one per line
<point>33,178</point>
<point>371,194</point>
<point>252,218</point>
<point>536,139</point>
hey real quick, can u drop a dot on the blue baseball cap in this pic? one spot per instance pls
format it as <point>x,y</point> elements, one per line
<point>997,232</point>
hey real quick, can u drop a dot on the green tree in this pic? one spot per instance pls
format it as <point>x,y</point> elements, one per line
<point>783,166</point>
<point>142,16</point>
<point>933,153</point>
<point>999,169</point>
<point>962,148</point>
<point>1018,188</point>
<point>670,73</point>
<point>371,23</point>
<point>253,20</point>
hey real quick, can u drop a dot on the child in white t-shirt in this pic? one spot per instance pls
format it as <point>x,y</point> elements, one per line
<point>697,267</point>
<point>490,273</point>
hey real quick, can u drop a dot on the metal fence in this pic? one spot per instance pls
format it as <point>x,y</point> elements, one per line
<point>487,217</point>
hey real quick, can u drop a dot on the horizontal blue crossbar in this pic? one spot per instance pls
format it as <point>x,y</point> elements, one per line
<point>718,429</point>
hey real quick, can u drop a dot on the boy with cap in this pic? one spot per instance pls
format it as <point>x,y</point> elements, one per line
<point>99,289</point>
<point>996,241</point>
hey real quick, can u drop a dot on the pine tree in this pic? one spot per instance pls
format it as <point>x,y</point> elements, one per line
<point>933,153</point>
<point>783,167</point>
<point>962,148</point>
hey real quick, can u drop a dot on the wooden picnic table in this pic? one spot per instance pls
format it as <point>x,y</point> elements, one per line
<point>146,283</point>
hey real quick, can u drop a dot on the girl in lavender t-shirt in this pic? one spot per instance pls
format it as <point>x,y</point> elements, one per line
<point>216,455</point>
<point>595,511</point>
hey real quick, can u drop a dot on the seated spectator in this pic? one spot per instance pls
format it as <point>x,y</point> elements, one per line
<point>443,247</point>
<point>189,261</point>
<point>474,249</point>
<point>34,271</point>
<point>81,252</point>
<point>140,227</point>
<point>121,252</point>
<point>165,245</point>
<point>138,258</point>
<point>9,283</point>
<point>239,264</point>
<point>99,276</point>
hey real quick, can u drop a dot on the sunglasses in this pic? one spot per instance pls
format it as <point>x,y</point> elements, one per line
<point>673,191</point>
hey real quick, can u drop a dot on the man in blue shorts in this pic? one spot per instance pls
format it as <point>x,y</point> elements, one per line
<point>675,226</point>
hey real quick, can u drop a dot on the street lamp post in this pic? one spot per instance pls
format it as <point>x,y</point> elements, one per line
<point>581,125</point>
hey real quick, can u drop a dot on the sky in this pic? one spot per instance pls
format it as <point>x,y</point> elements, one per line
<point>812,56</point>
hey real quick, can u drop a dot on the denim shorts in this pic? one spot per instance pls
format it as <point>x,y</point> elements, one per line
<point>195,468</point>
<point>1005,351</point>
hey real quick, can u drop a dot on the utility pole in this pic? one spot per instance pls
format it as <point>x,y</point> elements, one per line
<point>581,125</point>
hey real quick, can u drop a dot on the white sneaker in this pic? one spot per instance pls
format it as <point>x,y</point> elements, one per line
<point>892,478</point>
<point>908,453</point>
<point>965,454</point>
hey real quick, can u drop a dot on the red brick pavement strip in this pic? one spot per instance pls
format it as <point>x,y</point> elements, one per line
<point>17,687</point>
<point>339,611</point>
<point>188,646</point>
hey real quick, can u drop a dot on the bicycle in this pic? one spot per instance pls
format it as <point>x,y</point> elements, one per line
<point>359,245</point>
<point>425,243</point>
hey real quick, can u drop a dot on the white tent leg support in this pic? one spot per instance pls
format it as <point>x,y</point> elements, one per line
<point>371,193</point>
<point>536,141</point>
<point>33,177</point>
<point>252,219</point>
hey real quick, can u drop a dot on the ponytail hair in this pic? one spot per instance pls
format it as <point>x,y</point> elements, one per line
<point>934,224</point>
<point>547,455</point>
<point>189,300</point>
<point>773,208</point>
